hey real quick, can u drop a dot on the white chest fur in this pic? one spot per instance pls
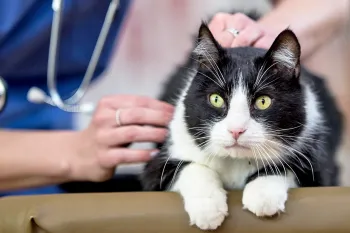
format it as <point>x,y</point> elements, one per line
<point>233,172</point>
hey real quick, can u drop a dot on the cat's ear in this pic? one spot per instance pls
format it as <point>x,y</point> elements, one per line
<point>207,49</point>
<point>285,53</point>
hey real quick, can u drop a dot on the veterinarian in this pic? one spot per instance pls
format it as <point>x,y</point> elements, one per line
<point>38,148</point>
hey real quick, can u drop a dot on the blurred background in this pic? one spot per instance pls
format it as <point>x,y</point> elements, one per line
<point>157,36</point>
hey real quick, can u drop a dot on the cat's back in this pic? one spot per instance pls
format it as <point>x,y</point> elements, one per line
<point>327,103</point>
<point>329,134</point>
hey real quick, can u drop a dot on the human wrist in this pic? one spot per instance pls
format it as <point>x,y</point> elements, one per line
<point>68,144</point>
<point>78,146</point>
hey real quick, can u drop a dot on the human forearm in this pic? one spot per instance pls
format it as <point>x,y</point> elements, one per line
<point>35,158</point>
<point>315,22</point>
<point>29,182</point>
<point>29,159</point>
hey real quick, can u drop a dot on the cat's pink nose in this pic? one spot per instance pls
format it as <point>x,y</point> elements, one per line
<point>236,133</point>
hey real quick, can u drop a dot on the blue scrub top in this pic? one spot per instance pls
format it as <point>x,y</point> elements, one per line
<point>25,27</point>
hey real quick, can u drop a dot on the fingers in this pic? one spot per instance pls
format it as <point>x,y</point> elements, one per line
<point>225,39</point>
<point>218,23</point>
<point>128,101</point>
<point>249,30</point>
<point>133,116</point>
<point>222,21</point>
<point>118,156</point>
<point>247,37</point>
<point>127,134</point>
<point>264,42</point>
<point>239,21</point>
<point>144,116</point>
<point>218,26</point>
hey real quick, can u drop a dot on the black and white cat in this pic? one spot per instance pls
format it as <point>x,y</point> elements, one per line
<point>246,119</point>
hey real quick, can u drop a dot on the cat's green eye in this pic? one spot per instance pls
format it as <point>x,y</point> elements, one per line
<point>263,102</point>
<point>216,100</point>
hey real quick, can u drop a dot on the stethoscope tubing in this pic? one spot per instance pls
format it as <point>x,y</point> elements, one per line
<point>71,104</point>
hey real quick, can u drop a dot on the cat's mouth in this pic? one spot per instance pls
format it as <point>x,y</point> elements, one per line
<point>237,146</point>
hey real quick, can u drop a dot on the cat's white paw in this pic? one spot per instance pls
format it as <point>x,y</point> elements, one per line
<point>264,198</point>
<point>207,213</point>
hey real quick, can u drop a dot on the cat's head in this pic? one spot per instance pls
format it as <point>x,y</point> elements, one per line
<point>243,101</point>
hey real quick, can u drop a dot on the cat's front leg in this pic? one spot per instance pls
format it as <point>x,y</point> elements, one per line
<point>266,195</point>
<point>203,194</point>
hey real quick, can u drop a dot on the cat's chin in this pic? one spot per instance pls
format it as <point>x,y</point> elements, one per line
<point>239,151</point>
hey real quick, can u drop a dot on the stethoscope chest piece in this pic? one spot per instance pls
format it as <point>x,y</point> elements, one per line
<point>3,94</point>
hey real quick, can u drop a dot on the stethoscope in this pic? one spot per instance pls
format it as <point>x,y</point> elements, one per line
<point>3,93</point>
<point>37,95</point>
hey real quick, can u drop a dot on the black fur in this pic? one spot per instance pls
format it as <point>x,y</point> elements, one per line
<point>286,112</point>
<point>161,172</point>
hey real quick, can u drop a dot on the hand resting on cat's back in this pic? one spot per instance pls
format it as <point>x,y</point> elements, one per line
<point>249,119</point>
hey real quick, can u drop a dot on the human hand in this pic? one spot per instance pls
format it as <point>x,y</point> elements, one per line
<point>141,119</point>
<point>251,33</point>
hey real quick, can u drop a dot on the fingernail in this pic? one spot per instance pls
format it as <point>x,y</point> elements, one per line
<point>154,153</point>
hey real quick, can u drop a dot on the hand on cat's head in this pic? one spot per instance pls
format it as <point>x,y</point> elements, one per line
<point>284,50</point>
<point>251,33</point>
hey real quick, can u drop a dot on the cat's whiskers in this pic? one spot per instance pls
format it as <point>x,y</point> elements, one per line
<point>198,127</point>
<point>280,129</point>
<point>265,156</point>
<point>216,75</point>
<point>217,68</point>
<point>277,133</point>
<point>162,174</point>
<point>211,71</point>
<point>283,161</point>
<point>259,73</point>
<point>295,160</point>
<point>261,150</point>
<point>280,158</point>
<point>271,159</point>
<point>201,128</point>
<point>256,159</point>
<point>176,171</point>
<point>258,81</point>
<point>219,85</point>
<point>203,145</point>
<point>261,159</point>
<point>262,85</point>
<point>297,157</point>
<point>296,152</point>
<point>199,133</point>
<point>280,149</point>
<point>274,153</point>
<point>207,138</point>
<point>268,159</point>
<point>294,137</point>
<point>211,156</point>
<point>201,48</point>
